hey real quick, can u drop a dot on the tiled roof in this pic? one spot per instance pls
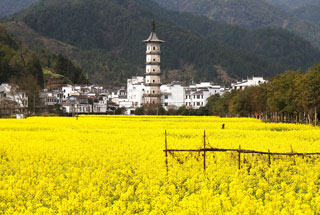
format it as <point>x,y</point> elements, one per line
<point>153,38</point>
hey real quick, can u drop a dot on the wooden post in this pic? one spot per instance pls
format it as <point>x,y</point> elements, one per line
<point>204,152</point>
<point>166,148</point>
<point>294,161</point>
<point>34,104</point>
<point>239,157</point>
<point>269,157</point>
<point>315,116</point>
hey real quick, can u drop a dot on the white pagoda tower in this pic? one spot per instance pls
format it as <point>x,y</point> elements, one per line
<point>152,96</point>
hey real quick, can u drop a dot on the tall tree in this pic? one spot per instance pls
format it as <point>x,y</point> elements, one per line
<point>309,89</point>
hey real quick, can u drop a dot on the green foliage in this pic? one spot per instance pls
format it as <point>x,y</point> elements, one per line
<point>282,92</point>
<point>288,93</point>
<point>65,67</point>
<point>120,111</point>
<point>139,111</point>
<point>308,86</point>
<point>251,14</point>
<point>23,67</point>
<point>16,61</point>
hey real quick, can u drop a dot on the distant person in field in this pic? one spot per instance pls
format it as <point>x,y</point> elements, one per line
<point>222,127</point>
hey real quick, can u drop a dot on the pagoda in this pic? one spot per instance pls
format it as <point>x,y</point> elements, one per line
<point>152,95</point>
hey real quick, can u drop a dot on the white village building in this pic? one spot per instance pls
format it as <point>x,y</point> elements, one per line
<point>254,81</point>
<point>51,97</point>
<point>11,94</point>
<point>13,101</point>
<point>135,91</point>
<point>196,95</point>
<point>173,96</point>
<point>76,99</point>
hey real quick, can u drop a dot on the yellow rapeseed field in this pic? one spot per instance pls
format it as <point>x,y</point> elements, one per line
<point>116,165</point>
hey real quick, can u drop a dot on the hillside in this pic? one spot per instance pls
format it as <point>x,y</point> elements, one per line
<point>17,62</point>
<point>277,45</point>
<point>20,65</point>
<point>289,5</point>
<point>251,14</point>
<point>105,35</point>
<point>309,12</point>
<point>8,7</point>
<point>101,64</point>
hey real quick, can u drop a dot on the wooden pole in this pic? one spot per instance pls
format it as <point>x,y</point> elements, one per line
<point>204,152</point>
<point>166,147</point>
<point>34,104</point>
<point>269,157</point>
<point>239,157</point>
<point>315,116</point>
<point>294,161</point>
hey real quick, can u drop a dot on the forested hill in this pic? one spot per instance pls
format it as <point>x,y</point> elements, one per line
<point>8,7</point>
<point>21,66</point>
<point>17,61</point>
<point>289,5</point>
<point>309,12</point>
<point>251,14</point>
<point>117,28</point>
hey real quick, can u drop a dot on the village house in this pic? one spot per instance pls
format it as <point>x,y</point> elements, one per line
<point>12,100</point>
<point>52,97</point>
<point>173,96</point>
<point>254,81</point>
<point>135,91</point>
<point>75,99</point>
<point>196,95</point>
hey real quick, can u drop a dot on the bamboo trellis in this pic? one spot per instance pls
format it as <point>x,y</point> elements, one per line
<point>239,150</point>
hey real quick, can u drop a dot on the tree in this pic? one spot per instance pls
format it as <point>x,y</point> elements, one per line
<point>281,95</point>
<point>120,111</point>
<point>139,111</point>
<point>310,92</point>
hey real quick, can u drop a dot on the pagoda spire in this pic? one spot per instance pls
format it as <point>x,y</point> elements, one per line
<point>153,26</point>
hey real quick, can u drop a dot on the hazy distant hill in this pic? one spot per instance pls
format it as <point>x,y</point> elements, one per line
<point>309,12</point>
<point>251,14</point>
<point>292,4</point>
<point>105,37</point>
<point>8,7</point>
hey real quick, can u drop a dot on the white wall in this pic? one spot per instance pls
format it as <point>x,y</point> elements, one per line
<point>135,91</point>
<point>174,96</point>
